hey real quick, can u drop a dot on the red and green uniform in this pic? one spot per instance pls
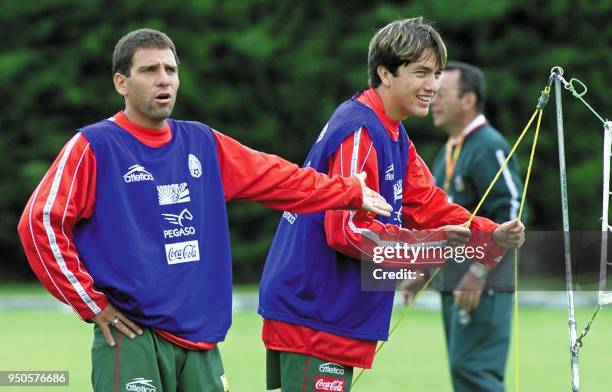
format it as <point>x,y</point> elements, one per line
<point>73,205</point>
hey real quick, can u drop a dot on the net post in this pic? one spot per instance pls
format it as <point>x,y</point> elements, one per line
<point>575,375</point>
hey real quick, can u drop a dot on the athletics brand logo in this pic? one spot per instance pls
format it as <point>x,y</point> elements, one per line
<point>331,368</point>
<point>178,220</point>
<point>137,173</point>
<point>389,174</point>
<point>195,167</point>
<point>325,384</point>
<point>173,194</point>
<point>140,385</point>
<point>182,252</point>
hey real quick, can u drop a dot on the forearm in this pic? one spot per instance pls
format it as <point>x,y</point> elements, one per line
<point>255,176</point>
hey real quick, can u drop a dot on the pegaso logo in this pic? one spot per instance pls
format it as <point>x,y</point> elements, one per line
<point>182,252</point>
<point>137,173</point>
<point>140,385</point>
<point>331,368</point>
<point>179,220</point>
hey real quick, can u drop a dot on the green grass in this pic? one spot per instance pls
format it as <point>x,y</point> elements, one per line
<point>414,359</point>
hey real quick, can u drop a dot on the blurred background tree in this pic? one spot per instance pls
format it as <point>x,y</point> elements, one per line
<point>269,73</point>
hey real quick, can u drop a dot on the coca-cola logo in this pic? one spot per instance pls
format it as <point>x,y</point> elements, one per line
<point>182,252</point>
<point>323,383</point>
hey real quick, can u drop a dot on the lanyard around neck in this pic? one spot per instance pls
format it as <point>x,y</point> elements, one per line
<point>451,157</point>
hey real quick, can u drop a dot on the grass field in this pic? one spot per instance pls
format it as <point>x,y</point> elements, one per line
<point>413,360</point>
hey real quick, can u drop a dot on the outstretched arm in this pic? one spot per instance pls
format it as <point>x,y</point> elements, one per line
<point>255,176</point>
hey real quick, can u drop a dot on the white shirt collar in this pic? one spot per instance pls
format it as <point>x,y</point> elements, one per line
<point>476,123</point>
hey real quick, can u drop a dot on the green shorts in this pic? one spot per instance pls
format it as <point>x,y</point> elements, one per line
<point>304,373</point>
<point>149,363</point>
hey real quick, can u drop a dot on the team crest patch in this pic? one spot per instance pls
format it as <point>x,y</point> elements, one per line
<point>195,167</point>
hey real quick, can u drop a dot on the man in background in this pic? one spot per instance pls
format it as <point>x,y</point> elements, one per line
<point>476,302</point>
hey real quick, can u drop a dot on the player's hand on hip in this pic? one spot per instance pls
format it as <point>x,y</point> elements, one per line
<point>372,201</point>
<point>510,234</point>
<point>111,317</point>
<point>457,235</point>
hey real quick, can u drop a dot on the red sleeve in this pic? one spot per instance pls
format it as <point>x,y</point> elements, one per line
<point>427,206</point>
<point>356,234</point>
<point>65,195</point>
<point>255,176</point>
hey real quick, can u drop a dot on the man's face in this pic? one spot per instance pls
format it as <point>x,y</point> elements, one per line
<point>448,107</point>
<point>150,90</point>
<point>415,85</point>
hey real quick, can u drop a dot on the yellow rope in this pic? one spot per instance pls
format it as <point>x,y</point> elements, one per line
<point>520,214</point>
<point>399,320</point>
<point>501,169</point>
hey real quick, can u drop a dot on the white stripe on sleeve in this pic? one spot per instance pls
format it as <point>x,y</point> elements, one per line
<point>514,201</point>
<point>51,234</point>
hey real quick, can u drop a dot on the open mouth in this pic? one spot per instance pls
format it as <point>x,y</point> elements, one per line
<point>163,98</point>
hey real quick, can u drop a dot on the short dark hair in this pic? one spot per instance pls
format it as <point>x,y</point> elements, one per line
<point>137,39</point>
<point>471,78</point>
<point>402,42</point>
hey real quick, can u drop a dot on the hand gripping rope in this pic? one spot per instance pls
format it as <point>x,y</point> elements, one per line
<point>542,101</point>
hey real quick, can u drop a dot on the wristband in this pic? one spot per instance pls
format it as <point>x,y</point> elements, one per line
<point>479,270</point>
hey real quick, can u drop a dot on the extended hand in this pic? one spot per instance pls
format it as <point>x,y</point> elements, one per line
<point>468,292</point>
<point>372,201</point>
<point>510,234</point>
<point>457,235</point>
<point>110,316</point>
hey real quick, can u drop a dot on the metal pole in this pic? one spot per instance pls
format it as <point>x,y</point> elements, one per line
<point>607,153</point>
<point>566,241</point>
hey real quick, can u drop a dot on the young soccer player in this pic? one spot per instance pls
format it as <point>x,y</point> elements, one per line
<point>318,321</point>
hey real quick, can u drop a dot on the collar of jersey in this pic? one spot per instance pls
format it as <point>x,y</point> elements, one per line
<point>476,123</point>
<point>371,99</point>
<point>147,136</point>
